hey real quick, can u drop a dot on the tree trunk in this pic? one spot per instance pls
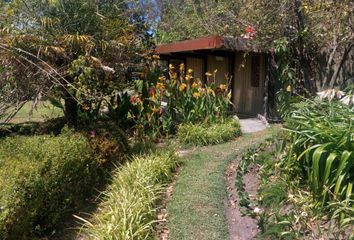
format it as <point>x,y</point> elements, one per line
<point>70,110</point>
<point>305,62</point>
<point>271,86</point>
<point>340,65</point>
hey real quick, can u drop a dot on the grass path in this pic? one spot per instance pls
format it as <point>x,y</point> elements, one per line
<point>196,209</point>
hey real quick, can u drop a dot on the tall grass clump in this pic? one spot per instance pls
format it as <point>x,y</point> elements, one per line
<point>321,136</point>
<point>128,210</point>
<point>208,133</point>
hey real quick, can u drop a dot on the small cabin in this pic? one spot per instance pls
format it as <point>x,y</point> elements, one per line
<point>233,57</point>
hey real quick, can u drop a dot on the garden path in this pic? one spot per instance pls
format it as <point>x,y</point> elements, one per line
<point>251,125</point>
<point>196,209</point>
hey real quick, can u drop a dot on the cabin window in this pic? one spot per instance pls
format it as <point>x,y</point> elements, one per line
<point>255,71</point>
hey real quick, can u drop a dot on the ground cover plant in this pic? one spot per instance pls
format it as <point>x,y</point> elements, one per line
<point>128,209</point>
<point>207,134</point>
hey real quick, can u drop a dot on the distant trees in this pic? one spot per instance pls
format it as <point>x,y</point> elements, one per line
<point>78,51</point>
<point>318,35</point>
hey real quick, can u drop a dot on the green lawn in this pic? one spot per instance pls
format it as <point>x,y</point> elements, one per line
<point>196,210</point>
<point>44,110</point>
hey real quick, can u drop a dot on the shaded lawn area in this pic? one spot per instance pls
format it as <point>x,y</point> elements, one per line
<point>196,209</point>
<point>44,111</point>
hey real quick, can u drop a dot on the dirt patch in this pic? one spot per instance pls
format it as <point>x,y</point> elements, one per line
<point>252,181</point>
<point>240,227</point>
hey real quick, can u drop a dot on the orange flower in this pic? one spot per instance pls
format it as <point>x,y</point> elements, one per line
<point>155,109</point>
<point>195,85</point>
<point>208,74</point>
<point>182,87</point>
<point>160,86</point>
<point>196,95</point>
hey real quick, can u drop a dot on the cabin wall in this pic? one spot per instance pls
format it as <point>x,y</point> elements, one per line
<point>222,65</point>
<point>197,65</point>
<point>248,99</point>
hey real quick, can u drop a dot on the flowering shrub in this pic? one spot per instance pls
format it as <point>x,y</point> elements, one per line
<point>181,98</point>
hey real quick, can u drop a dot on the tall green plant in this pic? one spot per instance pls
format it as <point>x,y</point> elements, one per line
<point>181,98</point>
<point>321,142</point>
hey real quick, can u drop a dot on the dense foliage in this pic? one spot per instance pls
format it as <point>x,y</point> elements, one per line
<point>128,208</point>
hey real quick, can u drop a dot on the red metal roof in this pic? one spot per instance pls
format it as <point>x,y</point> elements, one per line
<point>214,42</point>
<point>206,43</point>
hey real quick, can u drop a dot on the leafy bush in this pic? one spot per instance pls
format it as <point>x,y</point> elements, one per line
<point>206,134</point>
<point>42,178</point>
<point>128,210</point>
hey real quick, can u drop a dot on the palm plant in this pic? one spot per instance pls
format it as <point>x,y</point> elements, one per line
<point>77,50</point>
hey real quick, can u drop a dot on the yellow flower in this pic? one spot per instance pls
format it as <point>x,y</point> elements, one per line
<point>223,87</point>
<point>86,108</point>
<point>171,67</point>
<point>173,75</point>
<point>210,90</point>
<point>188,77</point>
<point>155,56</point>
<point>181,67</point>
<point>288,88</point>
<point>208,74</point>
<point>190,71</point>
<point>162,79</point>
<point>196,95</point>
<point>195,85</point>
<point>182,87</point>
